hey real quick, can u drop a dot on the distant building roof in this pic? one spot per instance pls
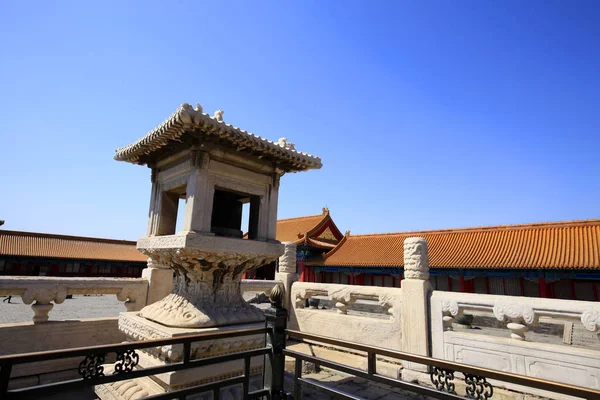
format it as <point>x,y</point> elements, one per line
<point>43,245</point>
<point>315,230</point>
<point>187,123</point>
<point>553,245</point>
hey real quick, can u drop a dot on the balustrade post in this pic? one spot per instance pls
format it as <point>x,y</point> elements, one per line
<point>415,301</point>
<point>286,271</point>
<point>276,323</point>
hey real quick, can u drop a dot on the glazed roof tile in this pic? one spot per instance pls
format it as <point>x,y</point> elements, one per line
<point>294,229</point>
<point>43,245</point>
<point>187,121</point>
<point>553,245</point>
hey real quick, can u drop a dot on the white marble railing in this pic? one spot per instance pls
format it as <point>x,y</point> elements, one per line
<point>43,292</point>
<point>361,327</point>
<point>260,286</point>
<point>518,312</point>
<point>515,353</point>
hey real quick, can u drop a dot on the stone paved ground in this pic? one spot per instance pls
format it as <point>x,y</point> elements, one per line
<point>352,385</point>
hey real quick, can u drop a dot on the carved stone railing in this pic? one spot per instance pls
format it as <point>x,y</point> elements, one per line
<point>260,286</point>
<point>43,292</point>
<point>344,296</point>
<point>365,328</point>
<point>518,312</point>
<point>516,353</point>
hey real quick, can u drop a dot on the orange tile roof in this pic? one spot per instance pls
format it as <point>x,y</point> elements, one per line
<point>554,245</point>
<point>31,244</point>
<point>294,229</point>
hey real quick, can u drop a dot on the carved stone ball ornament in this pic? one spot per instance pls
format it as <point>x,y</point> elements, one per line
<point>207,288</point>
<point>416,261</point>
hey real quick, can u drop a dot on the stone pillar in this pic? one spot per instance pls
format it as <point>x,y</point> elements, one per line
<point>287,272</point>
<point>196,215</point>
<point>415,301</point>
<point>160,281</point>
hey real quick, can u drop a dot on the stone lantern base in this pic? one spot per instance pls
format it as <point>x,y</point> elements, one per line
<point>137,328</point>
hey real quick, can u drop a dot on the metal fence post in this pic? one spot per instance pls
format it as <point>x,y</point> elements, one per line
<point>276,321</point>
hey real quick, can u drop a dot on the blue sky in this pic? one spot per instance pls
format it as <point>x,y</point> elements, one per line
<point>426,114</point>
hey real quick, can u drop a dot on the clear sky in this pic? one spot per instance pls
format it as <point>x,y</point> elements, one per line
<point>427,115</point>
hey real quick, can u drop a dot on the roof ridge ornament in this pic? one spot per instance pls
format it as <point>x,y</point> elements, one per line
<point>283,142</point>
<point>218,115</point>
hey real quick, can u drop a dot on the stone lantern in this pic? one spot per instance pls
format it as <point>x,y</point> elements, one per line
<point>217,169</point>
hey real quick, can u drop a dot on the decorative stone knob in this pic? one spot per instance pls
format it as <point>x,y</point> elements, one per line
<point>276,296</point>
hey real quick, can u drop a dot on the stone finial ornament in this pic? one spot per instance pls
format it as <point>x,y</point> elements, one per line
<point>416,259</point>
<point>219,115</point>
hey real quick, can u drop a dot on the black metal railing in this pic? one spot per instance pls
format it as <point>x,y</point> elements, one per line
<point>441,373</point>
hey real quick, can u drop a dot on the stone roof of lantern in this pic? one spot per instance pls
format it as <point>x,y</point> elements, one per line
<point>186,126</point>
<point>570,245</point>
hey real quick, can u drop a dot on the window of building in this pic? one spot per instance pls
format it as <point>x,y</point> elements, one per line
<point>72,268</point>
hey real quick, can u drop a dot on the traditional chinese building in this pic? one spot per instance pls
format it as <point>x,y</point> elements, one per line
<point>314,235</point>
<point>556,260</point>
<point>42,254</point>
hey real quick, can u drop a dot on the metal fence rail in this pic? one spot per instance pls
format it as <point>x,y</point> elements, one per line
<point>92,371</point>
<point>441,373</point>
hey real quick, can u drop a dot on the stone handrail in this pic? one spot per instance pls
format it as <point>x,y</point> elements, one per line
<point>42,292</point>
<point>343,296</point>
<point>263,286</point>
<point>366,328</point>
<point>518,312</point>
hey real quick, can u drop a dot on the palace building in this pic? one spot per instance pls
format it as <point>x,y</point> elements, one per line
<point>554,260</point>
<point>42,254</point>
<point>314,235</point>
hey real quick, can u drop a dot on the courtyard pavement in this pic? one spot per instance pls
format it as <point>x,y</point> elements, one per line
<point>351,385</point>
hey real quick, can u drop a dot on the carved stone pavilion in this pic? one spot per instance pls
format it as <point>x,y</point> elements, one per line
<point>216,168</point>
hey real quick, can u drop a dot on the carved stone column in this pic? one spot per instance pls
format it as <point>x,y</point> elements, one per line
<point>208,274</point>
<point>286,271</point>
<point>415,295</point>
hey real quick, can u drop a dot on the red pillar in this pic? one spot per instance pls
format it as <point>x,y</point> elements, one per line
<point>372,280</point>
<point>522,284</point>
<point>449,284</point>
<point>463,287</point>
<point>393,281</point>
<point>349,279</point>
<point>361,279</point>
<point>244,276</point>
<point>302,273</point>
<point>543,288</point>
